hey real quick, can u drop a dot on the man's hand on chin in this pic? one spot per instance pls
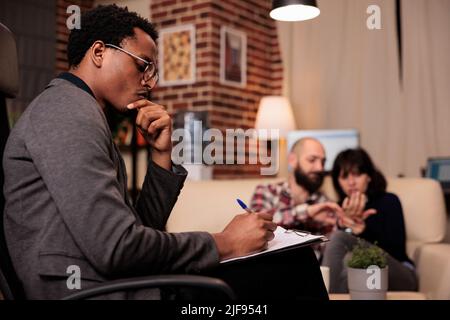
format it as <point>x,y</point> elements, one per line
<point>155,124</point>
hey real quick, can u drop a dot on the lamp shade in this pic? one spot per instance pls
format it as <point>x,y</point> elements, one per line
<point>294,10</point>
<point>275,112</point>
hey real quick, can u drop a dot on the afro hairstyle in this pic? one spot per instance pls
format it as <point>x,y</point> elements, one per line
<point>110,24</point>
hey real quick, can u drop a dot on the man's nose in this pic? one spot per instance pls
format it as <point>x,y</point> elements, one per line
<point>318,166</point>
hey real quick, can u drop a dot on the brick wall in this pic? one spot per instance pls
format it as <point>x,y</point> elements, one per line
<point>228,106</point>
<point>62,33</point>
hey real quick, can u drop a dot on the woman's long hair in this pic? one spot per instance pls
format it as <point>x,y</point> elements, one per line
<point>358,160</point>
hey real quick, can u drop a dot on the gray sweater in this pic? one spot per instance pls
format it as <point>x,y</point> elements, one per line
<point>66,203</point>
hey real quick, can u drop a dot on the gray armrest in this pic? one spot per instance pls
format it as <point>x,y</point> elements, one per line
<point>159,281</point>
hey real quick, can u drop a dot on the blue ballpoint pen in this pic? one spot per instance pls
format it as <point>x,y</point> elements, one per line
<point>243,205</point>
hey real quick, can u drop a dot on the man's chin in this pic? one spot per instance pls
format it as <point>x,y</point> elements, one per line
<point>122,110</point>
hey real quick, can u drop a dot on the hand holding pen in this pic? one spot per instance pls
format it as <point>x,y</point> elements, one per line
<point>243,205</point>
<point>246,233</point>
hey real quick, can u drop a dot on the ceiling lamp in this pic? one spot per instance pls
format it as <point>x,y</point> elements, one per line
<point>294,10</point>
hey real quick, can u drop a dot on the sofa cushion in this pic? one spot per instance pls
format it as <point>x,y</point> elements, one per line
<point>423,208</point>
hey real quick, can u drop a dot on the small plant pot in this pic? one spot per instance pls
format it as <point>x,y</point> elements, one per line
<point>368,284</point>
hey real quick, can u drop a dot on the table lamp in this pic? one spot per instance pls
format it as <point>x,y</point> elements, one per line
<point>275,112</point>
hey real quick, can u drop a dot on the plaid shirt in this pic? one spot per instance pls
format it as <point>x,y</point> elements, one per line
<point>276,199</point>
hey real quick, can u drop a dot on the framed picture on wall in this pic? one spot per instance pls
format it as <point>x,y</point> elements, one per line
<point>177,55</point>
<point>233,57</point>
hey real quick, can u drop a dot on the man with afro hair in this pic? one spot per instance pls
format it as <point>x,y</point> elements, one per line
<point>67,206</point>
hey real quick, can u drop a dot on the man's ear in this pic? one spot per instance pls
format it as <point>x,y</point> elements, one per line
<point>97,53</point>
<point>292,161</point>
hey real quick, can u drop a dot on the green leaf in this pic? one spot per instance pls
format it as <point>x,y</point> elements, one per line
<point>365,255</point>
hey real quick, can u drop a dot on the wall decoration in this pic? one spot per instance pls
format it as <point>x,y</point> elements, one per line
<point>233,57</point>
<point>177,55</point>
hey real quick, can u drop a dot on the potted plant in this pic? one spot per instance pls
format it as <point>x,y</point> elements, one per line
<point>367,272</point>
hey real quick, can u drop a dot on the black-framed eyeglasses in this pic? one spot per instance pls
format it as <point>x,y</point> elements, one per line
<point>301,233</point>
<point>149,72</point>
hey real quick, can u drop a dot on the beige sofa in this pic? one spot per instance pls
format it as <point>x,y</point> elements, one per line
<point>210,205</point>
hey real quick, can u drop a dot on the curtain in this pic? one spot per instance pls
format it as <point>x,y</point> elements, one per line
<point>426,92</point>
<point>339,75</point>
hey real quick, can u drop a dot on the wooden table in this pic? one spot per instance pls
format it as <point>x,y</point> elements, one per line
<point>391,295</point>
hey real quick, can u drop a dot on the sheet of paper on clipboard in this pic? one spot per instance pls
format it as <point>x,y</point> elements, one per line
<point>285,239</point>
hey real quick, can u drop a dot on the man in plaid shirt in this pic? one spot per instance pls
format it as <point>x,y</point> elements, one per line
<point>297,203</point>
